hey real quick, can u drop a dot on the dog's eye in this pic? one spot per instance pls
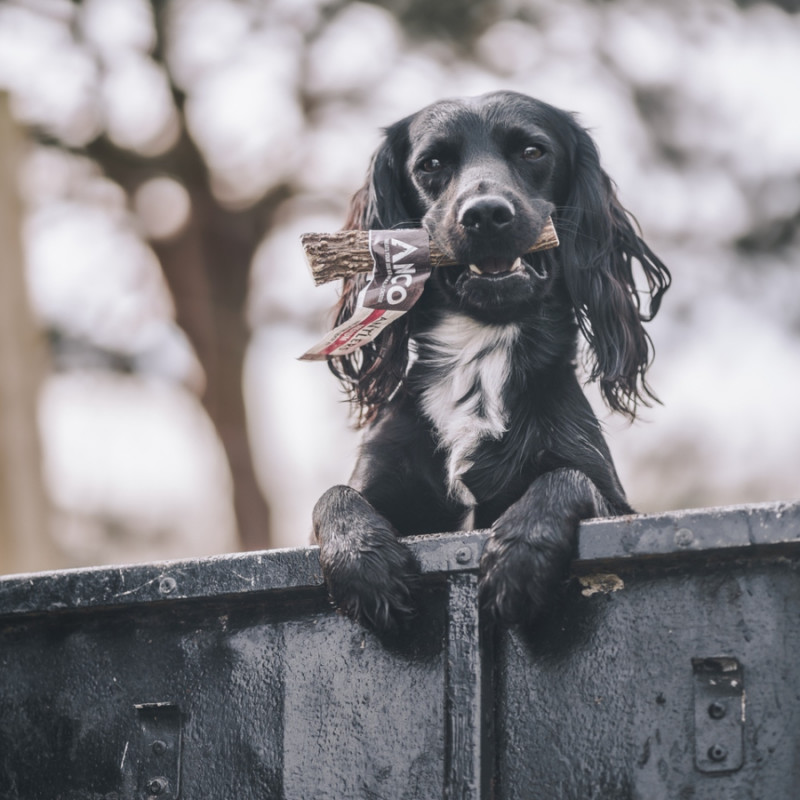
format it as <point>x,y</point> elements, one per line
<point>532,152</point>
<point>431,165</point>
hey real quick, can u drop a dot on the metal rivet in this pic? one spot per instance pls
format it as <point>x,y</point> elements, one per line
<point>167,585</point>
<point>717,752</point>
<point>159,747</point>
<point>683,537</point>
<point>463,555</point>
<point>717,710</point>
<point>157,786</point>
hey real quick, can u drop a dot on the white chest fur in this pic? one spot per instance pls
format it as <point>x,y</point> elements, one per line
<point>465,404</point>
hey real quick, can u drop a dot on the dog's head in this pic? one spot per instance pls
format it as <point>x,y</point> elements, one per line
<point>482,175</point>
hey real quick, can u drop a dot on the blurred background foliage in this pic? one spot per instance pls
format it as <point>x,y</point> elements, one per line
<point>169,154</point>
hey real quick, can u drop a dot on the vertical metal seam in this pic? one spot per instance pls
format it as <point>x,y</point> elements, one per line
<point>469,760</point>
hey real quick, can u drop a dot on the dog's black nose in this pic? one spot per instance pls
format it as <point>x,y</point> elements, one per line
<point>488,215</point>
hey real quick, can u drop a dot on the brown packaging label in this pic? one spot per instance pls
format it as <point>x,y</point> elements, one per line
<point>401,266</point>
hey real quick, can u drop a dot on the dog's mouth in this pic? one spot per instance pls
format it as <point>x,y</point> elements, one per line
<point>499,267</point>
<point>496,266</point>
<point>494,286</point>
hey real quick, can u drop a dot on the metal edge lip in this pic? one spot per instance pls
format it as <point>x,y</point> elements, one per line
<point>728,530</point>
<point>229,575</point>
<point>618,541</point>
<point>163,581</point>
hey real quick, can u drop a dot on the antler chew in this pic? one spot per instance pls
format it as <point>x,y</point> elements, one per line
<point>339,255</point>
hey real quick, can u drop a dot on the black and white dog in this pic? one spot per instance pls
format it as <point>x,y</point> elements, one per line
<point>474,414</point>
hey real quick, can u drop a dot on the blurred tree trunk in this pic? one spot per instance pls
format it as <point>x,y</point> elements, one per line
<point>25,542</point>
<point>207,268</point>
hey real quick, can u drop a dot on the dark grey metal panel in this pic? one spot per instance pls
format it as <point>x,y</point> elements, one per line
<point>242,670</point>
<point>728,532</point>
<point>223,576</point>
<point>291,702</point>
<point>600,702</point>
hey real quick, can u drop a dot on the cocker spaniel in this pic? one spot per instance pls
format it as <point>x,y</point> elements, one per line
<point>474,414</point>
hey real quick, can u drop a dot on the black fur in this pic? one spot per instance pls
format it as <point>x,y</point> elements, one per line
<point>481,176</point>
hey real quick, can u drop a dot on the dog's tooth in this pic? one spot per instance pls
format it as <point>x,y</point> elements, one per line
<point>476,269</point>
<point>517,265</point>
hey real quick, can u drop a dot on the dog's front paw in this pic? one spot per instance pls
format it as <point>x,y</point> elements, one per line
<point>521,570</point>
<point>375,582</point>
<point>371,576</point>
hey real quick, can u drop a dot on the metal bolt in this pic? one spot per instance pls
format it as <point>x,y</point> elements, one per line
<point>683,537</point>
<point>159,747</point>
<point>157,786</point>
<point>167,585</point>
<point>717,752</point>
<point>463,555</point>
<point>717,710</point>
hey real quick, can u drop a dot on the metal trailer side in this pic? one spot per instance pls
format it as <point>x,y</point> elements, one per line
<point>669,669</point>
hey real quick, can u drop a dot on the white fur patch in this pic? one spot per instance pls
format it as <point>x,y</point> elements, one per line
<point>465,405</point>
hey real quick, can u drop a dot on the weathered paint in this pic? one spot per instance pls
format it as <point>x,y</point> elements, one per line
<point>267,692</point>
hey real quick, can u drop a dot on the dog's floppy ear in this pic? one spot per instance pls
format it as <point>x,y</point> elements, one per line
<point>385,200</point>
<point>373,373</point>
<point>599,245</point>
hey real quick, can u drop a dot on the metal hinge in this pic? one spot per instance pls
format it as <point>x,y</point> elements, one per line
<point>719,713</point>
<point>159,751</point>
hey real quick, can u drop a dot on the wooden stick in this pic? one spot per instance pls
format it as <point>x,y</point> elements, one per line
<point>339,255</point>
